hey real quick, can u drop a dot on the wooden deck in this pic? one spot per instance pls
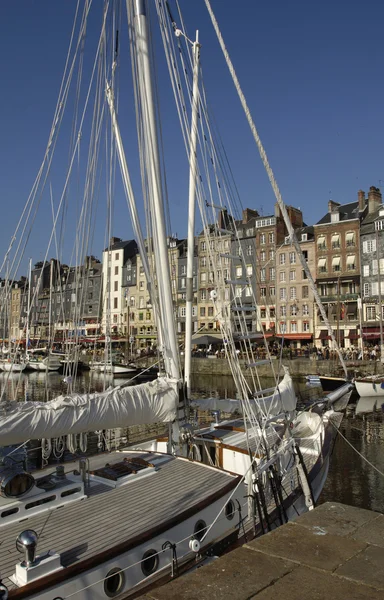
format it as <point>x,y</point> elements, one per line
<point>86,528</point>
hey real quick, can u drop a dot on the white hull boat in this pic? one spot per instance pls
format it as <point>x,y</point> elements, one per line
<point>9,366</point>
<point>113,368</point>
<point>44,364</point>
<point>370,386</point>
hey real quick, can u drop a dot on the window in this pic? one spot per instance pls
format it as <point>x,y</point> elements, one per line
<point>292,275</point>
<point>335,217</point>
<point>305,254</point>
<point>271,238</point>
<point>183,282</point>
<point>238,291</point>
<point>335,241</point>
<point>283,294</point>
<point>292,293</point>
<point>203,261</point>
<point>262,238</point>
<point>283,311</point>
<point>369,246</point>
<point>283,327</point>
<point>293,327</point>
<point>116,270</point>
<point>263,292</point>
<point>148,316</point>
<point>374,266</point>
<point>202,311</point>
<point>210,311</point>
<point>293,310</point>
<point>194,311</point>
<point>321,244</point>
<point>282,276</point>
<point>239,271</point>
<point>272,291</point>
<point>374,288</point>
<point>292,258</point>
<point>271,255</point>
<point>282,259</point>
<point>203,278</point>
<point>249,250</point>
<point>117,256</point>
<point>351,262</point>
<point>272,273</point>
<point>115,301</point>
<point>203,294</point>
<point>379,225</point>
<point>115,318</point>
<point>262,256</point>
<point>150,562</point>
<point>263,313</point>
<point>304,291</point>
<point>249,270</point>
<point>114,582</point>
<point>272,312</point>
<point>132,301</point>
<point>262,274</point>
<point>141,285</point>
<point>366,289</point>
<point>305,310</point>
<point>249,231</point>
<point>336,262</point>
<point>304,237</point>
<point>322,265</point>
<point>203,246</point>
<point>211,277</point>
<point>350,239</point>
<point>248,291</point>
<point>371,313</point>
<point>366,270</point>
<point>305,326</point>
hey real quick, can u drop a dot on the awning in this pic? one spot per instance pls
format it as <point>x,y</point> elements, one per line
<point>351,259</point>
<point>295,336</point>
<point>352,335</point>
<point>336,261</point>
<point>321,239</point>
<point>350,236</point>
<point>324,335</point>
<point>371,332</point>
<point>322,262</point>
<point>335,238</point>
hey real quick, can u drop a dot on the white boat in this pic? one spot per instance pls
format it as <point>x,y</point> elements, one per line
<point>113,367</point>
<point>126,519</point>
<point>372,385</point>
<point>12,365</point>
<point>41,360</point>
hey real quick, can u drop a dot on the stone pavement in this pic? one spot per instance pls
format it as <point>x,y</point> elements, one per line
<point>335,552</point>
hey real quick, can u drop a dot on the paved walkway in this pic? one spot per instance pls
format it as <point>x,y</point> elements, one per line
<point>335,552</point>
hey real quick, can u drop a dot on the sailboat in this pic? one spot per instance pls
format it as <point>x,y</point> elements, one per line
<point>112,523</point>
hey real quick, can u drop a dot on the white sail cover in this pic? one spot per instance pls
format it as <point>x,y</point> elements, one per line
<point>151,402</point>
<point>283,399</point>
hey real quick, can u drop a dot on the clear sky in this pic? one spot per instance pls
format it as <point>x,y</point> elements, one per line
<point>312,73</point>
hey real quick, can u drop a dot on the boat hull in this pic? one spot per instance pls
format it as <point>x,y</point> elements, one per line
<point>368,388</point>
<point>10,367</point>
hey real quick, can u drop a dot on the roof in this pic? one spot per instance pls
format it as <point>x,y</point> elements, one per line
<point>368,223</point>
<point>347,212</point>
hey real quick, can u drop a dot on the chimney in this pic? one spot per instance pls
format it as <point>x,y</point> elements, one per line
<point>374,199</point>
<point>333,206</point>
<point>113,241</point>
<point>248,214</point>
<point>361,200</point>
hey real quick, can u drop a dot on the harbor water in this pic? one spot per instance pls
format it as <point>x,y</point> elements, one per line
<point>358,457</point>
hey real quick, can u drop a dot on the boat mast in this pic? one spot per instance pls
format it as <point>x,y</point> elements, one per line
<point>169,339</point>
<point>380,305</point>
<point>191,217</point>
<point>273,183</point>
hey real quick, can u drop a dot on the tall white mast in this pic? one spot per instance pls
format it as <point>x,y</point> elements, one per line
<point>170,347</point>
<point>191,216</point>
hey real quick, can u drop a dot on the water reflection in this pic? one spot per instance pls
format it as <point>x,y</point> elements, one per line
<point>351,480</point>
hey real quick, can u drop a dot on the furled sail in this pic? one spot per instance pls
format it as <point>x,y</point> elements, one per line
<point>283,399</point>
<point>151,402</point>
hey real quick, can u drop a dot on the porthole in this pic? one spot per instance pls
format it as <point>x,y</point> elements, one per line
<point>114,582</point>
<point>200,529</point>
<point>230,510</point>
<point>150,562</point>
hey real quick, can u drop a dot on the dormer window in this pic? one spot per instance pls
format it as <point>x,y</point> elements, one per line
<point>335,217</point>
<point>304,237</point>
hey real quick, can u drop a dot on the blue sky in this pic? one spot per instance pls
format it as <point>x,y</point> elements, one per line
<point>311,73</point>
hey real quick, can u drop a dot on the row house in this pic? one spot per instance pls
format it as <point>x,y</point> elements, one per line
<point>182,289</point>
<point>372,265</point>
<point>295,308</point>
<point>114,259</point>
<point>337,239</point>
